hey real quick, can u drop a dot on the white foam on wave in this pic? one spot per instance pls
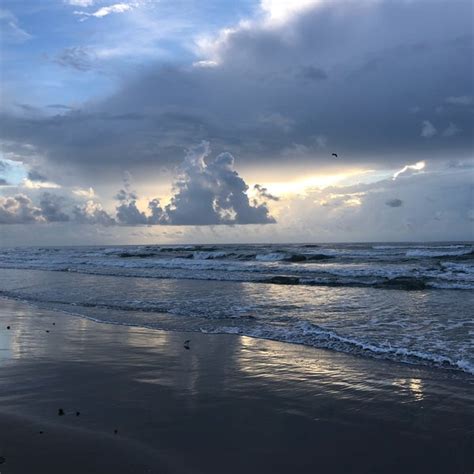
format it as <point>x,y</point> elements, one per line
<point>271,257</point>
<point>252,263</point>
<point>309,334</point>
<point>209,255</point>
<point>438,253</point>
<point>418,246</point>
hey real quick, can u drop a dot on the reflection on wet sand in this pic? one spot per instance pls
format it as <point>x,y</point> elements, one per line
<point>412,385</point>
<point>225,395</point>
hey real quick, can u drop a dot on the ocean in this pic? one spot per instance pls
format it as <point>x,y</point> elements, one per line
<point>410,303</point>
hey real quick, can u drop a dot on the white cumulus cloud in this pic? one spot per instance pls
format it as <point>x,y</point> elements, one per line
<point>105,11</point>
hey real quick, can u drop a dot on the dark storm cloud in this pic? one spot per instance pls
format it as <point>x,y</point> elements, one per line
<point>394,202</point>
<point>348,71</point>
<point>35,175</point>
<point>127,210</point>
<point>51,207</point>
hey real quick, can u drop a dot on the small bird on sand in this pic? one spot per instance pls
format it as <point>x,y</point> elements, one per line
<point>335,155</point>
<point>60,412</point>
<point>186,344</point>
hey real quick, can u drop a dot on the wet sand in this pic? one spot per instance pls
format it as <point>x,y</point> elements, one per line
<point>228,404</point>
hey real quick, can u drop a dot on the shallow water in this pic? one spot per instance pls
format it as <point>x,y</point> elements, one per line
<point>414,310</point>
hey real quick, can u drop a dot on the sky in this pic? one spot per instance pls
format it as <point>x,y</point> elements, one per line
<point>193,121</point>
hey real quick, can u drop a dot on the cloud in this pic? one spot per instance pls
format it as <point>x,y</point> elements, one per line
<point>211,192</point>
<point>256,88</point>
<point>81,3</point>
<point>427,129</point>
<point>207,191</point>
<point>127,210</point>
<point>394,202</point>
<point>321,141</point>
<point>408,170</point>
<point>105,11</point>
<point>19,209</point>
<point>34,175</point>
<point>11,31</point>
<point>263,193</point>
<point>92,212</point>
<point>51,208</point>
<point>438,204</point>
<point>76,57</point>
<point>277,120</point>
<point>88,193</point>
<point>451,130</point>
<point>280,11</point>
<point>460,100</point>
<point>59,106</point>
<point>3,182</point>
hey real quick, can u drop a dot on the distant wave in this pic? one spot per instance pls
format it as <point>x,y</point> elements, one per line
<point>419,246</point>
<point>446,277</point>
<point>434,253</point>
<point>388,266</point>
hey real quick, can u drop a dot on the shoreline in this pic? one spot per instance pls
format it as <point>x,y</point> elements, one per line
<point>228,404</point>
<point>455,367</point>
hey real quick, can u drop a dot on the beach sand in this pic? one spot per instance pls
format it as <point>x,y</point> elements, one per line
<point>228,404</point>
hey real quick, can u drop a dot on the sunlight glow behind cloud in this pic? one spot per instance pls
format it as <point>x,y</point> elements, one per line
<point>321,181</point>
<point>416,167</point>
<point>281,10</point>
